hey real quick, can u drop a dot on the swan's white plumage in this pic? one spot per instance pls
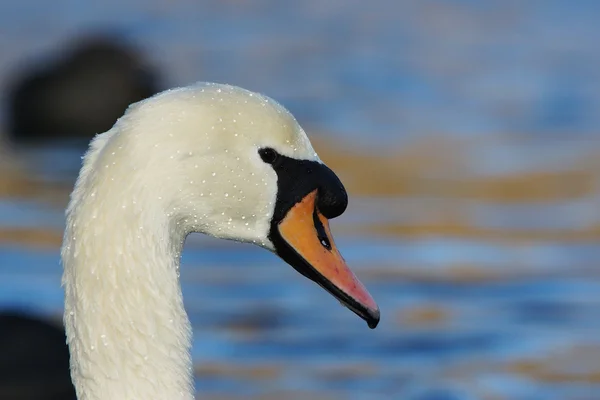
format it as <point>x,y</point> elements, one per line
<point>183,161</point>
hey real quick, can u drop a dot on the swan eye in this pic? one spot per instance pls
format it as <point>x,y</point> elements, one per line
<point>268,155</point>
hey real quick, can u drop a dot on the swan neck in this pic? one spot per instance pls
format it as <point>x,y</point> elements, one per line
<point>127,329</point>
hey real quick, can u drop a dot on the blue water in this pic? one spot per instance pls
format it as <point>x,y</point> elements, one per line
<point>252,312</point>
<point>389,70</point>
<point>516,84</point>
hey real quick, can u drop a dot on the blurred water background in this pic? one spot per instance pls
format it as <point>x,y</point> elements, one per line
<point>466,133</point>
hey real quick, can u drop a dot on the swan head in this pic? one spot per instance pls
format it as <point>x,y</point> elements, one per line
<point>234,164</point>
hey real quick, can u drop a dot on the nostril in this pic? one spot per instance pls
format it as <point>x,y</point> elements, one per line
<point>321,233</point>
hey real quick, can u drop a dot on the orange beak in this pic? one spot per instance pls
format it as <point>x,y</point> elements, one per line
<point>306,231</point>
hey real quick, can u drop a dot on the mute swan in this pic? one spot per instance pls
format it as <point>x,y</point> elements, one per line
<point>208,158</point>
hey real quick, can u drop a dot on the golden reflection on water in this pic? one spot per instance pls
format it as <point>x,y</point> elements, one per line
<point>427,169</point>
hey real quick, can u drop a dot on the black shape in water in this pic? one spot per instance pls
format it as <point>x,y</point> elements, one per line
<point>34,359</point>
<point>81,94</point>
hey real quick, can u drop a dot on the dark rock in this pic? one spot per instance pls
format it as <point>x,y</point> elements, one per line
<point>34,359</point>
<point>81,94</point>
